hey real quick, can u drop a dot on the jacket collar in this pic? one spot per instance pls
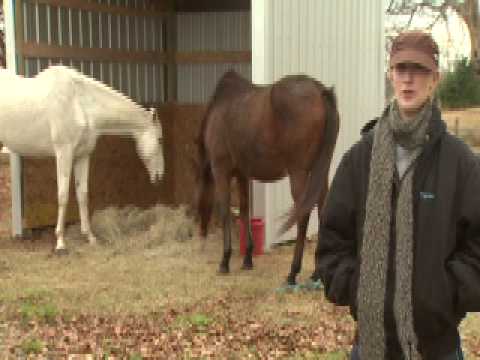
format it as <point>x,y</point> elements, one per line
<point>436,129</point>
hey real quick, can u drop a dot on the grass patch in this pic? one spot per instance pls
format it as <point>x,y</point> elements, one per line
<point>200,321</point>
<point>135,357</point>
<point>37,305</point>
<point>32,346</point>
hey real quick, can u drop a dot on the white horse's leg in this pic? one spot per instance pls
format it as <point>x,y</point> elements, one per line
<point>64,158</point>
<point>80,168</point>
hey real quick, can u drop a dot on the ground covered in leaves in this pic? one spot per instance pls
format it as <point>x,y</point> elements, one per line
<point>150,290</point>
<point>209,330</point>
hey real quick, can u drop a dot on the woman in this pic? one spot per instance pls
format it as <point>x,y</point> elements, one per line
<point>399,239</point>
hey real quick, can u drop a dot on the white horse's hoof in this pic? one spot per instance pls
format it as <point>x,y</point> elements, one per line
<point>61,251</point>
<point>92,240</point>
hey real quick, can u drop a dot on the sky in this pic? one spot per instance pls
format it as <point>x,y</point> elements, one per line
<point>452,36</point>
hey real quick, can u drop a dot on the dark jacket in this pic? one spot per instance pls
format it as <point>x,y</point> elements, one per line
<point>446,274</point>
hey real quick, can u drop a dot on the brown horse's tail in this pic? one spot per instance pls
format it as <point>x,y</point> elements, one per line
<point>318,180</point>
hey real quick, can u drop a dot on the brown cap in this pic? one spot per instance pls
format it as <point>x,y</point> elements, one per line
<point>415,47</point>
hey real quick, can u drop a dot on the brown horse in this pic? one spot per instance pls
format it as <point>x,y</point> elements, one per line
<point>265,133</point>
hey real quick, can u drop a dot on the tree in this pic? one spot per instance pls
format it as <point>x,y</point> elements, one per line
<point>2,37</point>
<point>468,10</point>
<point>459,88</point>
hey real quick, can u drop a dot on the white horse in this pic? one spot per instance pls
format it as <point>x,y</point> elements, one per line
<point>61,113</point>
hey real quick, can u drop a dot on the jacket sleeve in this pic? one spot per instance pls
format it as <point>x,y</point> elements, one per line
<point>336,249</point>
<point>465,263</point>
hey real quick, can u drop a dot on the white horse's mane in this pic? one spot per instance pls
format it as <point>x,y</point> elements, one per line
<point>89,80</point>
<point>109,110</point>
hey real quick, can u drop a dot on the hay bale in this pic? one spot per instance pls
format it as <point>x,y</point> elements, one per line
<point>133,227</point>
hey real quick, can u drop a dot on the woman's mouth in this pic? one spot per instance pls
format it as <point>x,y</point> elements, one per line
<point>408,94</point>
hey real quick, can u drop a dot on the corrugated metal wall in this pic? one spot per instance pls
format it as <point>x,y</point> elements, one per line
<point>61,26</point>
<point>144,82</point>
<point>341,44</point>
<point>217,31</point>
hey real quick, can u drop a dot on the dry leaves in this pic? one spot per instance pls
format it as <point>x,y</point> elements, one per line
<point>208,330</point>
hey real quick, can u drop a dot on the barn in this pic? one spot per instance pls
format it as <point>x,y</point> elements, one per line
<point>170,54</point>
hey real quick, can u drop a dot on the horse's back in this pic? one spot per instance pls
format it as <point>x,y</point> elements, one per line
<point>296,94</point>
<point>299,107</point>
<point>27,108</point>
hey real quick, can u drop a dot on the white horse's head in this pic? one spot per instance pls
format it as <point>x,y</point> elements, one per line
<point>149,148</point>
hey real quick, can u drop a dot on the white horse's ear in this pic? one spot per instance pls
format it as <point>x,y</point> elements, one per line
<point>154,113</point>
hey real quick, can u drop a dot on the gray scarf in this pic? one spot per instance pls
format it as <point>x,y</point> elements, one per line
<point>390,130</point>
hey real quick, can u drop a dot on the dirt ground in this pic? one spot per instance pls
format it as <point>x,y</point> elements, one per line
<point>152,292</point>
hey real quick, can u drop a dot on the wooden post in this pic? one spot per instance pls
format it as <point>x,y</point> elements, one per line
<point>13,13</point>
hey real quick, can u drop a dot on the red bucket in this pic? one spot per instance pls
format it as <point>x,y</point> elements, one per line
<point>258,232</point>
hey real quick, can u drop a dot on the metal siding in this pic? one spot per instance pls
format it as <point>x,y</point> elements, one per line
<point>205,31</point>
<point>62,26</point>
<point>196,82</point>
<point>341,44</point>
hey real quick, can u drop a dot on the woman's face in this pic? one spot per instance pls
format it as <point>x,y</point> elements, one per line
<point>413,85</point>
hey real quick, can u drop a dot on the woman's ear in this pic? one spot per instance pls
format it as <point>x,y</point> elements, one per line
<point>390,75</point>
<point>436,81</point>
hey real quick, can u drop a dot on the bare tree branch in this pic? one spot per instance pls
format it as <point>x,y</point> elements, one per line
<point>2,38</point>
<point>410,10</point>
<point>412,14</point>
<point>390,6</point>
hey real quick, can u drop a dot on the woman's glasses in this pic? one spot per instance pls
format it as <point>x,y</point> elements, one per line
<point>411,68</point>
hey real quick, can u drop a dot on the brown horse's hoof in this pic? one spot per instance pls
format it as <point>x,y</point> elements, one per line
<point>291,281</point>
<point>61,252</point>
<point>223,270</point>
<point>247,266</point>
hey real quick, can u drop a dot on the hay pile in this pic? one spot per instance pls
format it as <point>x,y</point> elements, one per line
<point>140,228</point>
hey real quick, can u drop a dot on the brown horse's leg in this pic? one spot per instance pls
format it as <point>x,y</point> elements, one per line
<point>205,206</point>
<point>298,181</point>
<point>243,186</point>
<point>298,254</point>
<point>321,202</point>
<point>222,195</point>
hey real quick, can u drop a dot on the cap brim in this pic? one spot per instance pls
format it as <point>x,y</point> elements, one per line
<point>413,56</point>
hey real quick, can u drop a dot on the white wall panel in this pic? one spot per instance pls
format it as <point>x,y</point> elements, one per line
<point>338,42</point>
